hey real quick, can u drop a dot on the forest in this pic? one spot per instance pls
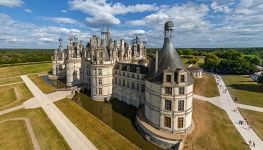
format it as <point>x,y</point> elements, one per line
<point>13,56</point>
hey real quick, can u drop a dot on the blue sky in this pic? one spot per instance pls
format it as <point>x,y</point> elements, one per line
<point>198,23</point>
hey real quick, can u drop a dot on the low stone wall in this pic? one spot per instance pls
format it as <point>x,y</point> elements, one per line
<point>163,143</point>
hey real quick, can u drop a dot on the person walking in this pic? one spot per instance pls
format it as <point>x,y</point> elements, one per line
<point>249,142</point>
<point>254,145</point>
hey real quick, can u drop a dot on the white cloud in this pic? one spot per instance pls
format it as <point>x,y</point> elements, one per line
<point>64,20</point>
<point>137,32</point>
<point>28,10</point>
<point>135,22</point>
<point>101,11</point>
<point>102,19</point>
<point>26,35</point>
<point>220,7</point>
<point>64,11</point>
<point>11,3</point>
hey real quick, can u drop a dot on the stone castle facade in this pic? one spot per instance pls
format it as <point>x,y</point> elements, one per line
<point>163,88</point>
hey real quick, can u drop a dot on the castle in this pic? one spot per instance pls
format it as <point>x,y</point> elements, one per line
<point>162,90</point>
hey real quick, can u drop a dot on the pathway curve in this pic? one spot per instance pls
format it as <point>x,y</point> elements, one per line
<point>73,136</point>
<point>30,131</point>
<point>226,102</point>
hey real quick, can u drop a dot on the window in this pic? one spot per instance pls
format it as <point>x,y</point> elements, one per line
<point>167,122</point>
<point>133,85</point>
<point>95,71</point>
<point>100,54</point>
<point>181,105</point>
<point>180,123</point>
<point>168,105</point>
<point>128,68</point>
<point>181,90</point>
<point>100,81</point>
<point>168,78</point>
<point>128,84</point>
<point>138,87</point>
<point>128,75</point>
<point>119,81</point>
<point>132,75</point>
<point>123,83</point>
<point>182,78</point>
<point>168,90</point>
<point>123,73</point>
<point>142,88</point>
<point>115,80</point>
<point>100,91</point>
<point>100,62</point>
<point>100,72</point>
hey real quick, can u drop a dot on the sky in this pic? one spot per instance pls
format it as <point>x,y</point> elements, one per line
<point>198,23</point>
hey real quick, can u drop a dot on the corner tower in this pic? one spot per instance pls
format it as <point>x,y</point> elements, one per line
<point>168,96</point>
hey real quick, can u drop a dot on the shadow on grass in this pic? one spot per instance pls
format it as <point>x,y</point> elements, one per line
<point>248,87</point>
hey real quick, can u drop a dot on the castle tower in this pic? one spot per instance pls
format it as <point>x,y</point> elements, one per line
<point>169,90</point>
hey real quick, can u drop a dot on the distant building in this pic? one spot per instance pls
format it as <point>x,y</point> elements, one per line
<point>196,72</point>
<point>109,69</point>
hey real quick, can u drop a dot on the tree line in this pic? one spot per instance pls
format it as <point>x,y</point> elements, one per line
<point>12,56</point>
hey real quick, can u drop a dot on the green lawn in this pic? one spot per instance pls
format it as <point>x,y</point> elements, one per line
<point>200,62</point>
<point>97,132</point>
<point>213,130</point>
<point>22,94</point>
<point>7,96</point>
<point>12,71</point>
<point>10,80</point>
<point>46,133</point>
<point>206,86</point>
<point>255,119</point>
<point>42,85</point>
<point>185,61</point>
<point>244,89</point>
<point>14,135</point>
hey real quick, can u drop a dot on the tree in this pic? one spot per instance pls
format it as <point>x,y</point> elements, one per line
<point>188,52</point>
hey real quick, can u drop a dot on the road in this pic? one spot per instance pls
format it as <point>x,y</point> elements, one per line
<point>73,136</point>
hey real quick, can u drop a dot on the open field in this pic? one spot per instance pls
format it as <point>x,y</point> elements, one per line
<point>46,133</point>
<point>10,80</point>
<point>12,71</point>
<point>206,86</point>
<point>42,85</point>
<point>200,62</point>
<point>7,96</point>
<point>255,119</point>
<point>213,130</point>
<point>14,135</point>
<point>185,61</point>
<point>96,131</point>
<point>22,94</point>
<point>244,89</point>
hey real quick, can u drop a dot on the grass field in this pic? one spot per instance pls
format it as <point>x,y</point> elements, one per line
<point>46,133</point>
<point>14,135</point>
<point>42,85</point>
<point>255,119</point>
<point>22,94</point>
<point>206,86</point>
<point>244,89</point>
<point>213,130</point>
<point>10,80</point>
<point>185,61</point>
<point>7,96</point>
<point>97,132</point>
<point>12,71</point>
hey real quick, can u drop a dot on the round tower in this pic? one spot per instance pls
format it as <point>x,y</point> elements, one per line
<point>70,73</point>
<point>168,96</point>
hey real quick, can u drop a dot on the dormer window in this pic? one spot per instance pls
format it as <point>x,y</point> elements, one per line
<point>182,78</point>
<point>168,78</point>
<point>137,69</point>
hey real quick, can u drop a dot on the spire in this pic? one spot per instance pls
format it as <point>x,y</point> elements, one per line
<point>167,56</point>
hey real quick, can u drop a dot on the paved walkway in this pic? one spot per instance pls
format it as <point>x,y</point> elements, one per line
<point>11,109</point>
<point>249,107</point>
<point>226,102</point>
<point>11,83</point>
<point>30,131</point>
<point>73,136</point>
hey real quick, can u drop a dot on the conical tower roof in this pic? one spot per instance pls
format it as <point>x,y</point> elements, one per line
<point>167,56</point>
